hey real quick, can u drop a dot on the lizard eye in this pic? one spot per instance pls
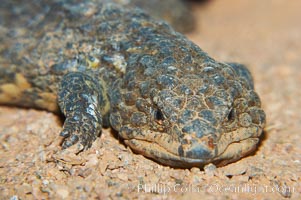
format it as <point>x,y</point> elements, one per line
<point>158,116</point>
<point>231,115</point>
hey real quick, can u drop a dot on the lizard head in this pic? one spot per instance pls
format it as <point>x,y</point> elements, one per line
<point>188,115</point>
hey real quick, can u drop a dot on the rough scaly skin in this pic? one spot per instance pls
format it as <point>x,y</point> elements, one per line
<point>107,64</point>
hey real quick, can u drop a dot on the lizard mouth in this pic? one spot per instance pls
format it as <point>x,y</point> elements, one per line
<point>159,154</point>
<point>161,148</point>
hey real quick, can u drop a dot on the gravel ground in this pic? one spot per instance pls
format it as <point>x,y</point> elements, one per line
<point>265,35</point>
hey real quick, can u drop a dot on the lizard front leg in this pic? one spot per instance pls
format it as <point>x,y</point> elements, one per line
<point>83,101</point>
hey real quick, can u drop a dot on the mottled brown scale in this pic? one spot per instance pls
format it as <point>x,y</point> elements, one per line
<point>104,64</point>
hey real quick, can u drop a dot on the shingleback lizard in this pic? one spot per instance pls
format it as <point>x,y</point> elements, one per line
<point>111,65</point>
